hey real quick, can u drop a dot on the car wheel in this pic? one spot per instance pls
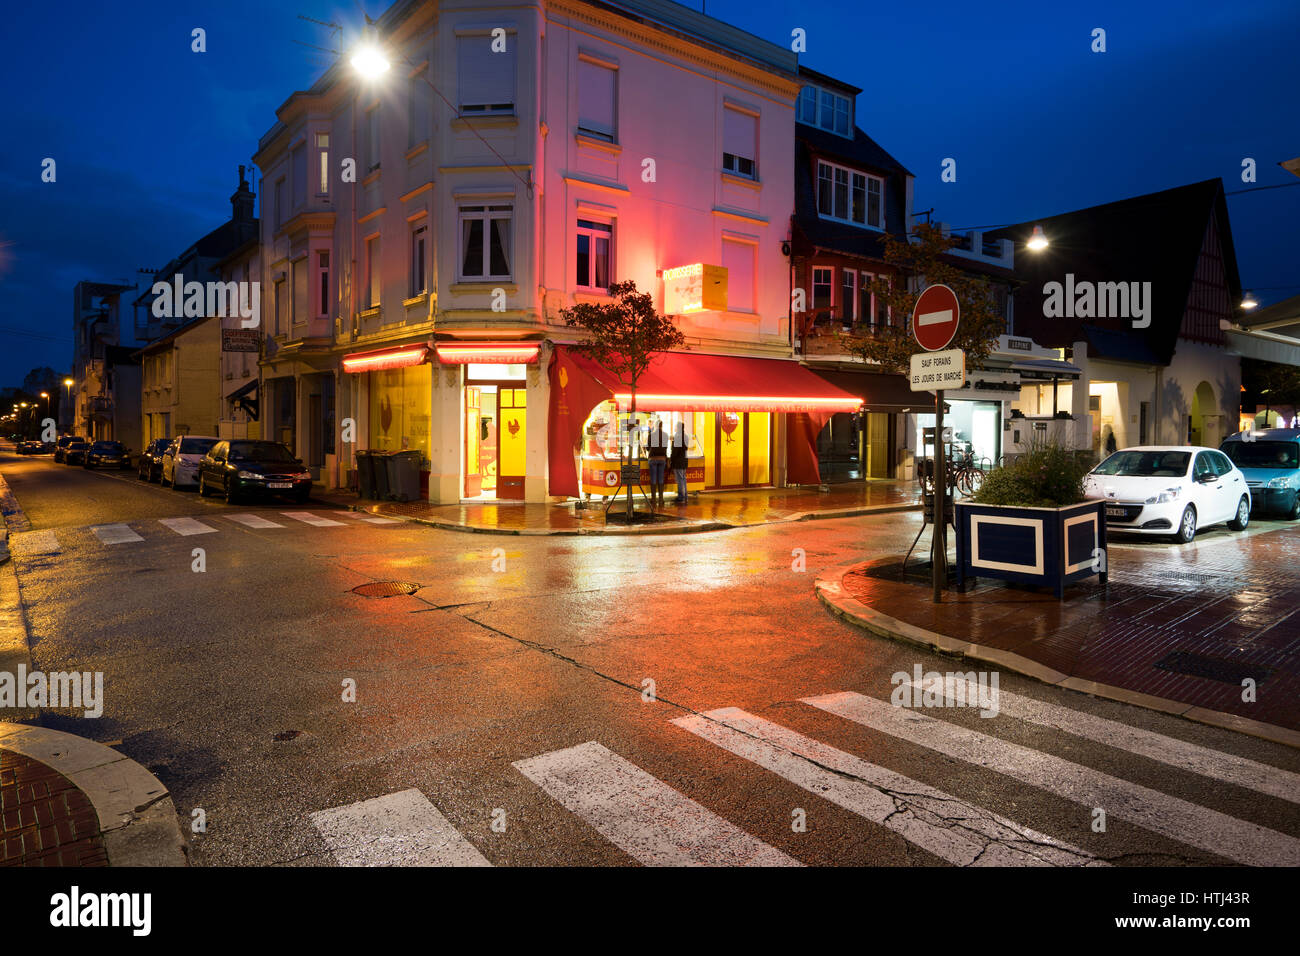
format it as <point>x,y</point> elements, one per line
<point>141,475</point>
<point>162,478</point>
<point>1240,522</point>
<point>231,496</point>
<point>1186,526</point>
<point>203,487</point>
<point>1295,508</point>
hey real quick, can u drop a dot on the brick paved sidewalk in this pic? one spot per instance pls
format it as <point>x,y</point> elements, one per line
<point>705,511</point>
<point>44,819</point>
<point>1185,624</point>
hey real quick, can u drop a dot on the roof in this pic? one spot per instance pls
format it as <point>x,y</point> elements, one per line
<point>1154,238</point>
<point>157,344</point>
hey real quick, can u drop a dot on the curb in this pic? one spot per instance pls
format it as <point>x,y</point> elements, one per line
<point>830,591</point>
<point>714,525</point>
<point>137,818</point>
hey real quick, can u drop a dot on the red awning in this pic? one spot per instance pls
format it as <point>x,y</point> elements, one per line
<point>487,353</point>
<point>693,382</point>
<point>398,357</point>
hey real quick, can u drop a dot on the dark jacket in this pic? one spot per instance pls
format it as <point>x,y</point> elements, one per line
<point>657,443</point>
<point>678,457</point>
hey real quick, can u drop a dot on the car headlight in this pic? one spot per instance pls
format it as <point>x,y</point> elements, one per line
<point>1281,481</point>
<point>302,474</point>
<point>1166,496</point>
<point>250,474</point>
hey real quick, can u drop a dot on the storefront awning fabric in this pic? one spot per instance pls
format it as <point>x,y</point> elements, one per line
<point>878,391</point>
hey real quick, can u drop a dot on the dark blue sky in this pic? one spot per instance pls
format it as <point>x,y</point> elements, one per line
<point>147,135</point>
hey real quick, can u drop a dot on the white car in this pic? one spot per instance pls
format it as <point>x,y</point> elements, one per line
<point>1170,490</point>
<point>180,462</point>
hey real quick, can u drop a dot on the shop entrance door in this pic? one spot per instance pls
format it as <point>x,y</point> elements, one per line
<point>879,439</point>
<point>495,440</point>
<point>741,445</point>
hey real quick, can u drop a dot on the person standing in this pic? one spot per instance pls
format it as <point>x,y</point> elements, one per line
<point>657,449</point>
<point>677,462</point>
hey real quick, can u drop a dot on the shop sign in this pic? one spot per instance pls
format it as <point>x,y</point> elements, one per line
<point>938,370</point>
<point>695,288</point>
<point>240,340</point>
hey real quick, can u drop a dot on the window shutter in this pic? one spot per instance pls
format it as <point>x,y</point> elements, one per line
<point>738,257</point>
<point>739,134</point>
<point>487,79</point>
<point>596,98</point>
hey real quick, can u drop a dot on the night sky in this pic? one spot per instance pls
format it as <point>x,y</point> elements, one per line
<point>147,135</point>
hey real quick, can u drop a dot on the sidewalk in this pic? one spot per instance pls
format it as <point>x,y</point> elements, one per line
<point>710,511</point>
<point>1177,629</point>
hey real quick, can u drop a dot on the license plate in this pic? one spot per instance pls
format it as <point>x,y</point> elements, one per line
<point>1115,513</point>
<point>279,484</point>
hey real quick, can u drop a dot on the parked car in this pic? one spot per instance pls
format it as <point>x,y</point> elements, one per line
<point>1270,460</point>
<point>60,447</point>
<point>1170,489</point>
<point>180,462</point>
<point>110,453</point>
<point>237,468</point>
<point>74,452</point>
<point>26,446</point>
<point>150,464</point>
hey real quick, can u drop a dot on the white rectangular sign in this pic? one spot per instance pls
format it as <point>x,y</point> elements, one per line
<point>934,370</point>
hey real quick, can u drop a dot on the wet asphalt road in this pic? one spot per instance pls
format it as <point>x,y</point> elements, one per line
<point>515,647</point>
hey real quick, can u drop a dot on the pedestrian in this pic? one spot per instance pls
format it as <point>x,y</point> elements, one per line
<point>657,451</point>
<point>677,462</point>
<point>1111,445</point>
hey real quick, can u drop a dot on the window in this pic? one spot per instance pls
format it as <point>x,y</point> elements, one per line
<point>419,108</point>
<point>299,291</point>
<point>372,138</point>
<point>487,78</point>
<point>323,282</point>
<point>299,177</point>
<point>849,196</point>
<point>848,295</point>
<point>739,142</point>
<point>738,257</point>
<point>323,163</point>
<point>279,201</point>
<point>372,272</point>
<point>485,241</point>
<point>806,111</point>
<point>821,287</point>
<point>882,307</point>
<point>279,306</point>
<point>418,258</point>
<point>597,99</point>
<point>830,111</point>
<point>865,313</point>
<point>593,257</point>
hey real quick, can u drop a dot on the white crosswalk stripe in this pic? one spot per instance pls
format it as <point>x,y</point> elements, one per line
<point>931,819</point>
<point>400,829</point>
<point>647,819</point>
<point>115,534</point>
<point>306,517</point>
<point>1169,816</point>
<point>253,521</point>
<point>1167,750</point>
<point>186,526</point>
<point>35,543</point>
<point>370,519</point>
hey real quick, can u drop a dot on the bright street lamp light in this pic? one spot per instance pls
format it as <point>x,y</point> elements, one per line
<point>1037,242</point>
<point>369,60</point>
<point>1248,302</point>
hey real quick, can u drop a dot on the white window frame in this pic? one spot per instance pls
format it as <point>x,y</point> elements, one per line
<point>848,296</point>
<point>419,258</point>
<point>322,282</point>
<point>323,163</point>
<point>373,291</point>
<point>486,211</point>
<point>597,228</point>
<point>850,178</point>
<point>830,285</point>
<point>736,168</point>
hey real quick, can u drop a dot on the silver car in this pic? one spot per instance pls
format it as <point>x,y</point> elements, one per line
<point>180,462</point>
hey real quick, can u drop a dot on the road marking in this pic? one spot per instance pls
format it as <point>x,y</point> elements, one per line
<point>115,534</point>
<point>641,815</point>
<point>35,542</point>
<point>1168,750</point>
<point>253,521</point>
<point>371,519</point>
<point>186,526</point>
<point>308,518</point>
<point>937,822</point>
<point>400,829</point>
<point>1177,819</point>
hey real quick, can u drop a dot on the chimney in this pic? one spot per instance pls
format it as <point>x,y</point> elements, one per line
<point>242,201</point>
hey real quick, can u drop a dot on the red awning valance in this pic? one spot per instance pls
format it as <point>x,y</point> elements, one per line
<point>488,353</point>
<point>399,357</point>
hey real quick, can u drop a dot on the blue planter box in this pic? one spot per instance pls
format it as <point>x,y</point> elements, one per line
<point>1048,547</point>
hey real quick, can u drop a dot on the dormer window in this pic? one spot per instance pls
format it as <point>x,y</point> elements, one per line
<point>827,110</point>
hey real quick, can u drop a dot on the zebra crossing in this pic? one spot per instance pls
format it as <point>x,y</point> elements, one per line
<point>47,541</point>
<point>659,825</point>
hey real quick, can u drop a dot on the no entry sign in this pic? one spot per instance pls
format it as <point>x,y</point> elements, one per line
<point>935,317</point>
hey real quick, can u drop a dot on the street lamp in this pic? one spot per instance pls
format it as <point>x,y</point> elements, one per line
<point>1249,302</point>
<point>369,59</point>
<point>1037,242</point>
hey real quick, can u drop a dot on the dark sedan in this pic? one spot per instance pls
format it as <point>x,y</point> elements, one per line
<point>151,459</point>
<point>107,453</point>
<point>61,446</point>
<point>240,467</point>
<point>74,452</point>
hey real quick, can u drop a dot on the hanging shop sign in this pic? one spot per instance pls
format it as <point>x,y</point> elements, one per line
<point>383,359</point>
<point>695,288</point>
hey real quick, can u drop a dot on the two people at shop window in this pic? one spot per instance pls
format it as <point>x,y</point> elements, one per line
<point>661,442</point>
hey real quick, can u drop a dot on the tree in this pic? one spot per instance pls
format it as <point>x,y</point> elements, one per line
<point>39,380</point>
<point>623,336</point>
<point>1276,385</point>
<point>892,346</point>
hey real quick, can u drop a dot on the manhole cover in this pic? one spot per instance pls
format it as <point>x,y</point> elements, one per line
<point>384,589</point>
<point>1212,668</point>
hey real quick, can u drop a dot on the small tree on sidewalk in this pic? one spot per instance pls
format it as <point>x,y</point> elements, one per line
<point>892,345</point>
<point>623,335</point>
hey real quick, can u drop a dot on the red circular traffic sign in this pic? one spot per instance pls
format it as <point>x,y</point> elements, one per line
<point>935,317</point>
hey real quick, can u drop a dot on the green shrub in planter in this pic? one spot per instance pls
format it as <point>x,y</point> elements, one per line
<point>1046,476</point>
